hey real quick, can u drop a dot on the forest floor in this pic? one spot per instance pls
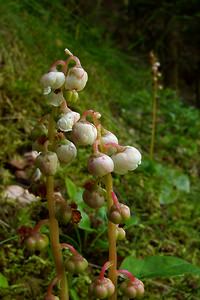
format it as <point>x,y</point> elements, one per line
<point>163,193</point>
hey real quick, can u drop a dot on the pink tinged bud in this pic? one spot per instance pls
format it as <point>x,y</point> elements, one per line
<point>55,99</point>
<point>84,133</point>
<point>76,79</point>
<point>109,137</point>
<point>139,286</point>
<point>95,198</point>
<point>53,80</point>
<point>100,165</point>
<point>66,152</point>
<point>76,264</point>
<point>127,160</point>
<point>47,162</point>
<point>67,121</point>
<point>102,288</point>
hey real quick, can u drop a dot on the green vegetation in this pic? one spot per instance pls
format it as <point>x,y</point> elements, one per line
<point>163,194</point>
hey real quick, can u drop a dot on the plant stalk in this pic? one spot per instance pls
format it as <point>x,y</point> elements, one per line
<point>53,224</point>
<point>112,274</point>
<point>154,114</point>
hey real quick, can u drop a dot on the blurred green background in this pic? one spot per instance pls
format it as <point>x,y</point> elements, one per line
<point>113,40</point>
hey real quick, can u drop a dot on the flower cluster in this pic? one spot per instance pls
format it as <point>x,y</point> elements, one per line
<point>57,144</point>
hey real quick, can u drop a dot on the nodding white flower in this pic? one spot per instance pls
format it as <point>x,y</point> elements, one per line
<point>66,152</point>
<point>52,81</point>
<point>127,160</point>
<point>100,165</point>
<point>76,79</point>
<point>84,133</point>
<point>67,121</point>
<point>55,99</point>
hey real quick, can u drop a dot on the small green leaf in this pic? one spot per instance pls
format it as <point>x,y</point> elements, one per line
<point>85,222</point>
<point>182,183</point>
<point>74,295</point>
<point>3,281</point>
<point>167,194</point>
<point>158,266</point>
<point>71,188</point>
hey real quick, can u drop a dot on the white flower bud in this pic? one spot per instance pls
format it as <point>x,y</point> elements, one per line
<point>127,160</point>
<point>47,162</point>
<point>100,165</point>
<point>66,152</point>
<point>76,79</point>
<point>53,79</point>
<point>84,133</point>
<point>55,99</point>
<point>109,137</point>
<point>67,121</point>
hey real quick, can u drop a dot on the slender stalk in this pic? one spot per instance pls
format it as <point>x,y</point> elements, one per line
<point>53,224</point>
<point>111,238</point>
<point>154,114</point>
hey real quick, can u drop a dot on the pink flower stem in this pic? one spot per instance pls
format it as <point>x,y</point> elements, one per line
<point>115,200</point>
<point>39,225</point>
<point>72,58</point>
<point>95,116</point>
<point>70,247</point>
<point>127,274</point>
<point>114,145</point>
<point>58,63</point>
<point>105,267</point>
<point>95,147</point>
<point>51,285</point>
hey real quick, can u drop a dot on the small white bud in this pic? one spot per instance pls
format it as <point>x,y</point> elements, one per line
<point>55,99</point>
<point>76,79</point>
<point>84,133</point>
<point>125,161</point>
<point>100,165</point>
<point>109,137</point>
<point>66,152</point>
<point>67,121</point>
<point>53,79</point>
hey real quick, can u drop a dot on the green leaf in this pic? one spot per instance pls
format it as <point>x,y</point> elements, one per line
<point>72,189</point>
<point>167,195</point>
<point>3,281</point>
<point>132,222</point>
<point>85,223</point>
<point>182,183</point>
<point>74,295</point>
<point>158,266</point>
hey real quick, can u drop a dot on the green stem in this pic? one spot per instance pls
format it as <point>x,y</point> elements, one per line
<point>111,238</point>
<point>53,224</point>
<point>154,113</point>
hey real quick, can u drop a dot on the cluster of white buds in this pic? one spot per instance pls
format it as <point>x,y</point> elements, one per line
<point>71,79</point>
<point>156,74</point>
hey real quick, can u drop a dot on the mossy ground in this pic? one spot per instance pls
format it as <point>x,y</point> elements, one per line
<point>119,87</point>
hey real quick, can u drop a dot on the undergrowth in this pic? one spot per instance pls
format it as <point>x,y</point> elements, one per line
<point>163,195</point>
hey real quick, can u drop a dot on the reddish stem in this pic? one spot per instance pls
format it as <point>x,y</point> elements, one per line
<point>105,267</point>
<point>51,285</point>
<point>74,58</point>
<point>37,227</point>
<point>58,63</point>
<point>127,274</point>
<point>95,116</point>
<point>70,247</point>
<point>115,145</point>
<point>115,200</point>
<point>95,147</point>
